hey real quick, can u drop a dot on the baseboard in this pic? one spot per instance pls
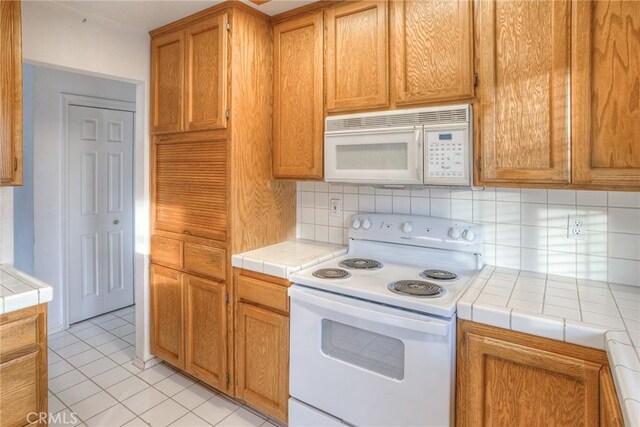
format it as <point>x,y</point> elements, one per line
<point>55,329</point>
<point>145,364</point>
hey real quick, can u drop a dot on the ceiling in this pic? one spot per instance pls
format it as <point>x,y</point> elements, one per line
<point>146,15</point>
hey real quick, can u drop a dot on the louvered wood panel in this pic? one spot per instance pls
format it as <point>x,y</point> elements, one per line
<point>10,93</point>
<point>191,188</point>
<point>523,50</point>
<point>432,50</point>
<point>606,94</point>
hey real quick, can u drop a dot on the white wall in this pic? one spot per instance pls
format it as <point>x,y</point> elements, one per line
<point>55,35</point>
<point>48,160</point>
<point>524,229</point>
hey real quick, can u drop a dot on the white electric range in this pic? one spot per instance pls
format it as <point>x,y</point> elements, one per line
<point>373,331</point>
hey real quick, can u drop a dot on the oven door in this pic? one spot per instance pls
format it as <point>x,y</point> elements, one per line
<point>369,364</point>
<point>381,156</point>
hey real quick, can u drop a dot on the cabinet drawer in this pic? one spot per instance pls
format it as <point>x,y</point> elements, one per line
<point>18,334</point>
<point>19,407</point>
<point>205,260</point>
<point>18,374</point>
<point>264,293</point>
<point>169,252</point>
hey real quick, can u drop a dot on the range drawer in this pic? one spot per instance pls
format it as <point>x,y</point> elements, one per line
<point>263,293</point>
<point>18,334</point>
<point>205,260</point>
<point>168,252</point>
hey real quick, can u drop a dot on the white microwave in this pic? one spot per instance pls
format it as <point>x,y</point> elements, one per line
<point>421,146</point>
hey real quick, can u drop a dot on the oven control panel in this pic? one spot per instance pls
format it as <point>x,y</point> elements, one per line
<point>417,230</point>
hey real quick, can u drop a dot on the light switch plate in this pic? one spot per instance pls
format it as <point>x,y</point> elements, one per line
<point>335,207</point>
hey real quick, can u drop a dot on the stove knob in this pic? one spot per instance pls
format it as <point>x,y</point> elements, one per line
<point>468,235</point>
<point>366,224</point>
<point>407,227</point>
<point>454,233</point>
<point>355,224</point>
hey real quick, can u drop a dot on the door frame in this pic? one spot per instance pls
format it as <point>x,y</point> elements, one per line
<point>68,100</point>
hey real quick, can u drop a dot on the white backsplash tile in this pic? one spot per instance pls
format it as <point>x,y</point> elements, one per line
<point>524,229</point>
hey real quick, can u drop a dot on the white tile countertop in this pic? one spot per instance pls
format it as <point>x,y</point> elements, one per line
<point>19,290</point>
<point>282,259</point>
<point>600,315</point>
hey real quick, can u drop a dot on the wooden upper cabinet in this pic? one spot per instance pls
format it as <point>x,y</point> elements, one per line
<point>206,74</point>
<point>357,63</point>
<point>190,188</point>
<point>166,297</point>
<point>298,98</point>
<point>10,93</point>
<point>167,75</point>
<point>206,331</point>
<point>523,55</point>
<point>606,94</point>
<point>432,50</point>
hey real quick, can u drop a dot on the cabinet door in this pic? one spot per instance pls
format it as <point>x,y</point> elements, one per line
<point>432,50</point>
<point>19,396</point>
<point>167,82</point>
<point>606,94</point>
<point>610,414</point>
<point>298,104</point>
<point>510,384</point>
<point>206,74</point>
<point>10,93</point>
<point>190,188</point>
<point>167,315</point>
<point>523,56</point>
<point>356,56</point>
<point>206,331</point>
<point>262,357</point>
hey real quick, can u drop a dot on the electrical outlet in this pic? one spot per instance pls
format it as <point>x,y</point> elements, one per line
<point>335,207</point>
<point>576,229</point>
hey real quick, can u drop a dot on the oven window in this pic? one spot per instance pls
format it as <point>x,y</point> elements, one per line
<point>377,353</point>
<point>391,156</point>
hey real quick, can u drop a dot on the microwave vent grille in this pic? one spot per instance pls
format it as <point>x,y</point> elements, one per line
<point>420,118</point>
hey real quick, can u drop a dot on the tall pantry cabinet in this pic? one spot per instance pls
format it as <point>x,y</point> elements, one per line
<point>212,192</point>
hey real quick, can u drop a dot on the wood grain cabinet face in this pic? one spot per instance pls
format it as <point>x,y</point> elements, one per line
<point>167,314</point>
<point>190,188</point>
<point>523,55</point>
<point>10,93</point>
<point>432,50</point>
<point>298,98</point>
<point>206,74</point>
<point>509,384</point>
<point>167,75</point>
<point>206,331</point>
<point>606,94</point>
<point>262,358</point>
<point>357,56</point>
<point>610,413</point>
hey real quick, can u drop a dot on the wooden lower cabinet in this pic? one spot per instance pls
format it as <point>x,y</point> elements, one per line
<point>610,413</point>
<point>206,331</point>
<point>262,343</point>
<point>189,324</point>
<point>508,378</point>
<point>23,367</point>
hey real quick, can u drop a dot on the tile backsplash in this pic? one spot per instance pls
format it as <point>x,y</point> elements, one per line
<point>524,229</point>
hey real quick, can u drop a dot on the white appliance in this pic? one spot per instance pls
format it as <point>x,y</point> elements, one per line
<point>373,331</point>
<point>423,146</point>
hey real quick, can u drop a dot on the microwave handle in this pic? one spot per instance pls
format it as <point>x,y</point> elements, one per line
<point>418,133</point>
<point>429,326</point>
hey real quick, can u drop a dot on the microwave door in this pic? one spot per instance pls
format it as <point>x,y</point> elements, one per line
<point>380,156</point>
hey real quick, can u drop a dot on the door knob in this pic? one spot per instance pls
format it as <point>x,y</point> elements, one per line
<point>116,221</point>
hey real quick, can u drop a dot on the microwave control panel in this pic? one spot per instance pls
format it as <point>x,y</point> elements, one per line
<point>447,157</point>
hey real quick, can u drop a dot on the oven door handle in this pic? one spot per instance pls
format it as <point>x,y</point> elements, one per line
<point>429,326</point>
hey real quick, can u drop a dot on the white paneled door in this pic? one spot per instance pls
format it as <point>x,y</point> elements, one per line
<point>100,211</point>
